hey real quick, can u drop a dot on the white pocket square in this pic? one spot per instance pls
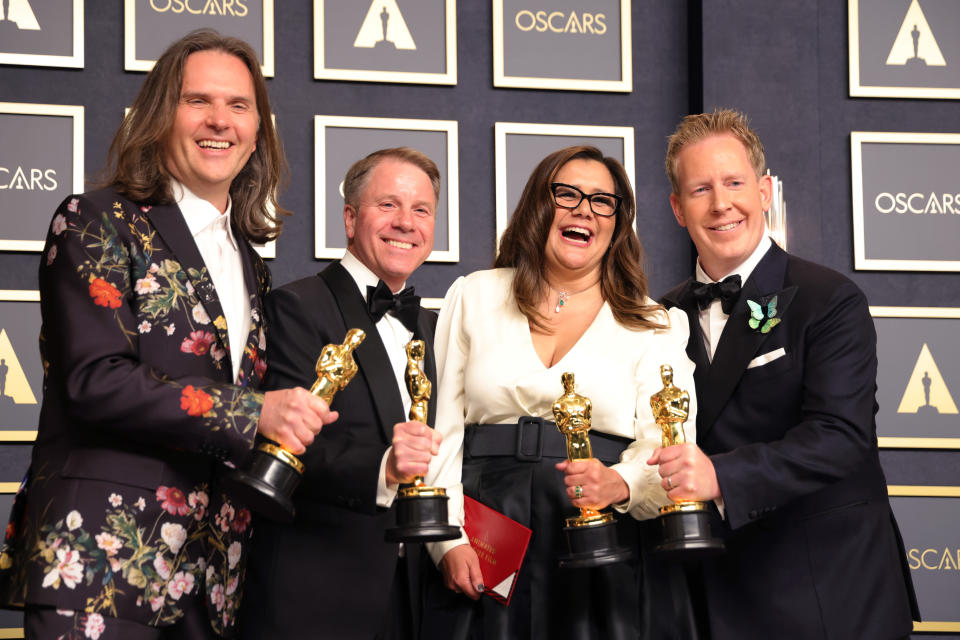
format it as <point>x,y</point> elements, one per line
<point>767,357</point>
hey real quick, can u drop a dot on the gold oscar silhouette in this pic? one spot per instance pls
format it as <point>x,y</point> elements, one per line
<point>685,524</point>
<point>591,536</point>
<point>267,482</point>
<point>421,510</point>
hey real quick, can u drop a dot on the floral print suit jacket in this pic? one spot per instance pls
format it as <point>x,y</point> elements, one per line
<point>119,514</point>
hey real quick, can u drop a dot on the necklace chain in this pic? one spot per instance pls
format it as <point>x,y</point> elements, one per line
<point>563,295</point>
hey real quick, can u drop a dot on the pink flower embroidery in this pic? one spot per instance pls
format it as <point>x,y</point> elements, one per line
<point>94,626</point>
<point>72,205</point>
<point>198,501</point>
<point>109,543</point>
<point>59,225</point>
<point>234,551</point>
<point>216,596</point>
<point>172,501</point>
<point>198,343</point>
<point>241,521</point>
<point>162,567</point>
<point>51,255</point>
<point>182,583</point>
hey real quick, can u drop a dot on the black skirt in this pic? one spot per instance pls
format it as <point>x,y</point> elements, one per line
<point>609,602</point>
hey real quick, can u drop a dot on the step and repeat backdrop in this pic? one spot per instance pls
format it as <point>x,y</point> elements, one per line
<point>487,89</point>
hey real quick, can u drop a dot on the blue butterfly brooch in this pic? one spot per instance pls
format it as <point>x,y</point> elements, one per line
<point>763,317</point>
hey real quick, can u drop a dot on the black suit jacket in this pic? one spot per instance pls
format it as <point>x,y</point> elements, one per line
<point>330,573</point>
<point>120,513</point>
<point>813,550</point>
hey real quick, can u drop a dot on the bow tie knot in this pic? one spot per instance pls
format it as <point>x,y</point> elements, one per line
<point>727,291</point>
<point>405,306</point>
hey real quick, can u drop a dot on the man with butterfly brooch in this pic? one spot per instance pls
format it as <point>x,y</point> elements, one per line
<point>785,352</point>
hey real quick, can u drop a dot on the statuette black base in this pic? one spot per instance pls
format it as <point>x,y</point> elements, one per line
<point>265,485</point>
<point>688,534</point>
<point>422,518</point>
<point>593,546</point>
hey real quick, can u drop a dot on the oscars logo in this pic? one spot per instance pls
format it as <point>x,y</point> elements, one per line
<point>915,45</point>
<point>233,8</point>
<point>927,392</point>
<point>17,15</point>
<point>28,180</point>
<point>14,387</point>
<point>384,27</point>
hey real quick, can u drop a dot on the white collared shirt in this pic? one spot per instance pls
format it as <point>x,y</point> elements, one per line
<point>221,255</point>
<point>395,337</point>
<point>713,319</point>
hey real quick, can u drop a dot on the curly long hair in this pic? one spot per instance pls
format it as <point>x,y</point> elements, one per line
<point>135,164</point>
<point>623,283</point>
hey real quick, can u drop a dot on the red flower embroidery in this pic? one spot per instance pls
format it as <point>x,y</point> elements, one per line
<point>104,293</point>
<point>11,531</point>
<point>241,521</point>
<point>198,343</point>
<point>195,402</point>
<point>172,501</point>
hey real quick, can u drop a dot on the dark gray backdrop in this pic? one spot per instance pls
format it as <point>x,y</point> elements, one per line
<point>783,63</point>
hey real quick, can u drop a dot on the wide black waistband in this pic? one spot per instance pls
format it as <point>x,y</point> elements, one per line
<point>531,439</point>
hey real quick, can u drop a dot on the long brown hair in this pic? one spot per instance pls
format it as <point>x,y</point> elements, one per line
<point>135,162</point>
<point>623,283</point>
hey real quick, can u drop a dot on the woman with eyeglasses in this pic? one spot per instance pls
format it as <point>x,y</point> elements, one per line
<point>567,294</point>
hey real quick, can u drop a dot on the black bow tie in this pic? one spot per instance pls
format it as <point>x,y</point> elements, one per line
<point>728,290</point>
<point>405,306</point>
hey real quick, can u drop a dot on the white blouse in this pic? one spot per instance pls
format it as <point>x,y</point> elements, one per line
<point>490,373</point>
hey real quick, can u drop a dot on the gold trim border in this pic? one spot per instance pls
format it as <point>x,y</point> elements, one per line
<point>73,61</point>
<point>857,139</point>
<point>624,84</point>
<point>9,487</point>
<point>449,77</point>
<point>909,442</point>
<point>132,63</point>
<point>927,491</point>
<point>18,295</point>
<point>59,110</point>
<point>13,634</point>
<point>858,90</point>
<point>502,129</point>
<point>449,127</point>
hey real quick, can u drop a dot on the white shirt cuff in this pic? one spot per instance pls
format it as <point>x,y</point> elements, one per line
<point>385,492</point>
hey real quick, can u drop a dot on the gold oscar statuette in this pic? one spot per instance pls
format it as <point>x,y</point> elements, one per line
<point>685,525</point>
<point>421,509</point>
<point>591,536</point>
<point>267,482</point>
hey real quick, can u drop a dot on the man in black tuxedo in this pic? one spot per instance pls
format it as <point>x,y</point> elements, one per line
<point>330,574</point>
<point>786,438</point>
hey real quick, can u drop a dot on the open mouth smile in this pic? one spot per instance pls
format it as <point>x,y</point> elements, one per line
<point>727,227</point>
<point>580,235</point>
<point>214,144</point>
<point>399,244</point>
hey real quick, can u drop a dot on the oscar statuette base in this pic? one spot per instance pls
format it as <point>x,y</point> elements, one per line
<point>267,482</point>
<point>592,542</point>
<point>421,516</point>
<point>686,530</point>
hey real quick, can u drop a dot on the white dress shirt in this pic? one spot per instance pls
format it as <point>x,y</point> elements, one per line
<point>395,337</point>
<point>713,319</point>
<point>221,255</point>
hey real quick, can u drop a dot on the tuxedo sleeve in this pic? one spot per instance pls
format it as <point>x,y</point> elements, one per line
<point>95,313</point>
<point>835,432</point>
<point>343,462</point>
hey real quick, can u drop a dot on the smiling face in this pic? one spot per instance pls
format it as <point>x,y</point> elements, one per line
<point>215,128</point>
<point>390,229</point>
<point>721,201</point>
<point>579,238</point>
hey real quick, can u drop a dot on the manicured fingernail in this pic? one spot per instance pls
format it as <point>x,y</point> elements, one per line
<point>480,588</point>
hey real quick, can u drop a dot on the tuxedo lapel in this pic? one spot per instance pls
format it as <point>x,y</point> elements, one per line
<point>256,279</point>
<point>696,349</point>
<point>739,343</point>
<point>371,355</point>
<point>169,223</point>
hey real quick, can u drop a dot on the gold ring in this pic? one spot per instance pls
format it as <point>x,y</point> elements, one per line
<point>578,491</point>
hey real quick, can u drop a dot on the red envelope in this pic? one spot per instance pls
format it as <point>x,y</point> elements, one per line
<point>500,543</point>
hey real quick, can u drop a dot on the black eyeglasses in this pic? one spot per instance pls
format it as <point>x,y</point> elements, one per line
<point>569,197</point>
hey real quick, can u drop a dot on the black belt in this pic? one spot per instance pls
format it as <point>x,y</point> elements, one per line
<point>531,439</point>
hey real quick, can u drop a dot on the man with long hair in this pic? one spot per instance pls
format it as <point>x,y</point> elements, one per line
<point>153,348</point>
